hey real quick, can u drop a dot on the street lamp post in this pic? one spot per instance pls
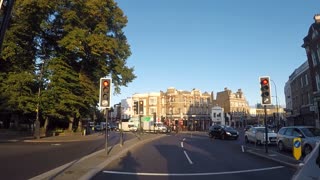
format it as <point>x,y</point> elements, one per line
<point>278,117</point>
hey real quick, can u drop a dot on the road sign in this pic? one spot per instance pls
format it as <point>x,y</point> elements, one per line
<point>297,148</point>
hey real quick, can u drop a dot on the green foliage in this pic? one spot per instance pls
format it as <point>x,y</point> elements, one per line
<point>78,41</point>
<point>18,90</point>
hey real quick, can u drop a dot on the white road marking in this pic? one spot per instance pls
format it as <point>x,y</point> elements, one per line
<point>55,144</point>
<point>242,148</point>
<point>182,144</point>
<point>183,139</point>
<point>185,153</point>
<point>193,174</point>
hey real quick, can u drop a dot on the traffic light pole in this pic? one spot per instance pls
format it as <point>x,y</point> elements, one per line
<point>266,128</point>
<point>106,134</point>
<point>121,133</point>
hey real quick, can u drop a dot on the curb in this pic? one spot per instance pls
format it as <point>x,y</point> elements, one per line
<point>295,166</point>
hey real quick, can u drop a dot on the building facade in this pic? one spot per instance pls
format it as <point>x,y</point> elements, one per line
<point>311,43</point>
<point>299,96</point>
<point>235,105</point>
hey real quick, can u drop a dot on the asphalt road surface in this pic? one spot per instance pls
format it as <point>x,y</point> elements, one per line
<point>23,160</point>
<point>185,156</point>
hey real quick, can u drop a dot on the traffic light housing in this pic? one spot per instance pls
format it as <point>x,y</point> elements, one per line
<point>141,107</point>
<point>105,92</point>
<point>265,89</point>
<point>135,107</point>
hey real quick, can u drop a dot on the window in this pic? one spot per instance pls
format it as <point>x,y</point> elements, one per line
<point>288,132</point>
<point>296,133</point>
<point>313,57</point>
<point>318,52</point>
<point>318,81</point>
<point>301,82</point>
<point>152,110</point>
<point>153,101</point>
<point>306,79</point>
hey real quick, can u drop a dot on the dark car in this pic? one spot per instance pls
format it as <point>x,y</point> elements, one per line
<point>223,132</point>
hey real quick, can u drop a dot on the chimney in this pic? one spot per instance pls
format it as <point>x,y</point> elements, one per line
<point>317,18</point>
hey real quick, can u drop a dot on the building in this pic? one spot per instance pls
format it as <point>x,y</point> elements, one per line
<point>299,97</point>
<point>311,43</point>
<point>270,113</point>
<point>190,110</point>
<point>234,104</point>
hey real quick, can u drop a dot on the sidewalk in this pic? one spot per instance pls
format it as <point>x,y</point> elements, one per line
<point>274,156</point>
<point>15,136</point>
<point>88,166</point>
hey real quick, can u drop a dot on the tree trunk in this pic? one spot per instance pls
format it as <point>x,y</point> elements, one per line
<point>71,119</point>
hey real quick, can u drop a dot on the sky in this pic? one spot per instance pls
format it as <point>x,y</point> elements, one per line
<point>211,44</point>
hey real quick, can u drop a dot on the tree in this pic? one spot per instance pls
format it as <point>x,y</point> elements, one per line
<point>79,42</point>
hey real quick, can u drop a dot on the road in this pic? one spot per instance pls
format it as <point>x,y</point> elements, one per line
<point>23,160</point>
<point>185,156</point>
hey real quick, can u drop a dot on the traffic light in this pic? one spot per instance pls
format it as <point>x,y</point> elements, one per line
<point>141,107</point>
<point>105,92</point>
<point>135,107</point>
<point>265,88</point>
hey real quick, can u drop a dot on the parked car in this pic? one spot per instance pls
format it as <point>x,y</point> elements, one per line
<point>248,127</point>
<point>257,135</point>
<point>223,132</point>
<point>161,128</point>
<point>113,127</point>
<point>309,136</point>
<point>132,127</point>
<point>98,127</point>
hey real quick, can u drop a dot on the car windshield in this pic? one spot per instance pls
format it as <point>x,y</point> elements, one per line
<point>229,128</point>
<point>311,132</point>
<point>263,130</point>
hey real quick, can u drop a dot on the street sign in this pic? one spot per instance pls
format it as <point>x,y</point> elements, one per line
<point>297,148</point>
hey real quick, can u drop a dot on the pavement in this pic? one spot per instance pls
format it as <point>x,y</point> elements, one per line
<point>274,156</point>
<point>86,167</point>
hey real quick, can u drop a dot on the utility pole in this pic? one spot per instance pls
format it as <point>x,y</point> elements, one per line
<point>121,132</point>
<point>106,136</point>
<point>266,128</point>
<point>278,117</point>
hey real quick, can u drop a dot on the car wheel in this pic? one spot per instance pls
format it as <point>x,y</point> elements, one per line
<point>210,135</point>
<point>222,136</point>
<point>307,149</point>
<point>259,142</point>
<point>246,139</point>
<point>280,146</point>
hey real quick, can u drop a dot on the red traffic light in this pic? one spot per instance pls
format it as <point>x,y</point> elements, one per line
<point>264,82</point>
<point>105,83</point>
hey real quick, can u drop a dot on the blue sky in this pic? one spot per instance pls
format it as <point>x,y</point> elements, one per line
<point>211,44</point>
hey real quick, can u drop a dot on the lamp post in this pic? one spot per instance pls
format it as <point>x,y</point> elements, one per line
<point>275,87</point>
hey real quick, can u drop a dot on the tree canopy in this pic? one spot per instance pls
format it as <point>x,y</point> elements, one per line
<point>76,42</point>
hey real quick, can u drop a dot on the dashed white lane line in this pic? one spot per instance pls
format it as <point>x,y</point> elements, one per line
<point>183,139</point>
<point>192,174</point>
<point>57,144</point>
<point>182,144</point>
<point>185,153</point>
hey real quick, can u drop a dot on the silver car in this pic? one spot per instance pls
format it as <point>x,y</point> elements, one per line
<point>309,136</point>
